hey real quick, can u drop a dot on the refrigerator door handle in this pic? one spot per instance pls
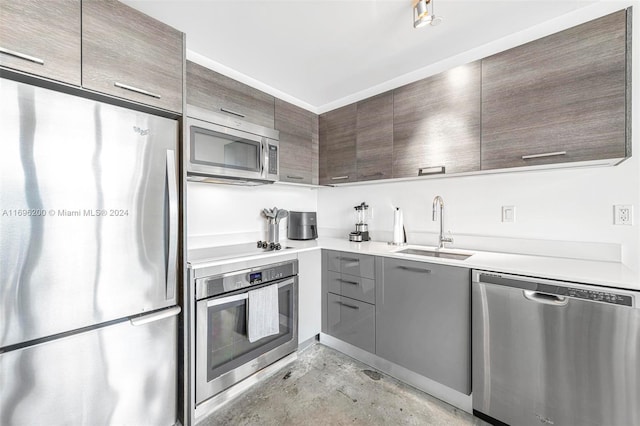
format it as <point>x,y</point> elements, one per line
<point>172,186</point>
<point>146,319</point>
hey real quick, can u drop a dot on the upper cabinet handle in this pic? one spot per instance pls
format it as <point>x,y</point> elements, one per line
<point>430,171</point>
<point>295,177</point>
<point>21,56</point>
<point>373,175</point>
<point>546,154</point>
<point>135,89</point>
<point>228,111</point>
<point>339,177</point>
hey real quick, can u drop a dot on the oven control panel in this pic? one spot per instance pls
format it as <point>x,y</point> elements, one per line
<point>220,284</point>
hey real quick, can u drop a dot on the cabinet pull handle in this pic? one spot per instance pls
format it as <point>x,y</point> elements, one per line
<point>135,89</point>
<point>349,282</point>
<point>295,177</point>
<point>414,269</point>
<point>21,56</point>
<point>546,154</point>
<point>346,305</point>
<point>228,111</point>
<point>424,171</point>
<point>373,175</point>
<point>339,177</point>
<point>350,259</point>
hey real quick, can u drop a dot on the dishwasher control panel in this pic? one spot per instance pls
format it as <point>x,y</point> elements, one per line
<point>600,296</point>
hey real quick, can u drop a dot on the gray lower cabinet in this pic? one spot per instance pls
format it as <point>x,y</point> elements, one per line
<point>128,54</point>
<point>41,37</point>
<point>436,124</point>
<point>352,286</point>
<point>559,99</point>
<point>374,138</point>
<point>298,143</point>
<point>216,92</point>
<point>354,264</point>
<point>352,321</point>
<point>338,146</point>
<point>423,319</point>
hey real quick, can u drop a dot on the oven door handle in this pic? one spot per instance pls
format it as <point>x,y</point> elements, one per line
<point>245,295</point>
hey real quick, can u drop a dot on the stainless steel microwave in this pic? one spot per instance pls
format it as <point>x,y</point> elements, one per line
<point>228,150</point>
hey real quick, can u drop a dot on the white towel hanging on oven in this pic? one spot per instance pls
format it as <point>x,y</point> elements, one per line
<point>263,313</point>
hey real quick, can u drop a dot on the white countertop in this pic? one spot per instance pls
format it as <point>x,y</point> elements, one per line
<point>609,274</point>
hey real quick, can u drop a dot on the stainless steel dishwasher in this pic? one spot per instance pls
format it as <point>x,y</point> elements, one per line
<point>553,352</point>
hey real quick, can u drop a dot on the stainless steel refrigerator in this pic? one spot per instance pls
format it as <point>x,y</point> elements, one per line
<point>88,246</point>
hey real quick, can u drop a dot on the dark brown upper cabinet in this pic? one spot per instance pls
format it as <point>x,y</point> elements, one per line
<point>223,95</point>
<point>436,124</point>
<point>41,37</point>
<point>338,145</point>
<point>374,138</point>
<point>298,143</point>
<point>559,99</point>
<point>128,54</point>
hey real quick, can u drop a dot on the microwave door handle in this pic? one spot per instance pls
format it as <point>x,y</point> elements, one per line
<point>264,157</point>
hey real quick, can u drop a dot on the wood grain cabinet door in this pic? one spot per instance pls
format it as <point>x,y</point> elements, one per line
<point>374,138</point>
<point>298,146</point>
<point>338,145</point>
<point>436,124</point>
<point>128,54</point>
<point>41,37</point>
<point>218,93</point>
<point>558,99</point>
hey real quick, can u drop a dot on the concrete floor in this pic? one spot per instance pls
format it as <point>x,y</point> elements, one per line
<point>325,387</point>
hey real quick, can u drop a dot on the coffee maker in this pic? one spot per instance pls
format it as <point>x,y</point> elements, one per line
<point>362,229</point>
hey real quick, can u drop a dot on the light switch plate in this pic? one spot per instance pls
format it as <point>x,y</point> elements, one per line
<point>508,213</point>
<point>623,214</point>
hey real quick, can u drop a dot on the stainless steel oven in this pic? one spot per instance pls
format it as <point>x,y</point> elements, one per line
<point>224,354</point>
<point>223,148</point>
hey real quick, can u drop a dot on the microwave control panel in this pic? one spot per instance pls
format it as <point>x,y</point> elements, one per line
<point>273,160</point>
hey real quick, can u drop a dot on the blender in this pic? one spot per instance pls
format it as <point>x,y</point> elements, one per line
<point>362,229</point>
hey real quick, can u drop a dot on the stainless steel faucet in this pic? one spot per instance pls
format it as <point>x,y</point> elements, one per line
<point>434,216</point>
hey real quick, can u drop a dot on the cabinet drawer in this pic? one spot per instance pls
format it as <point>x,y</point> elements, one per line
<point>358,288</point>
<point>351,321</point>
<point>359,265</point>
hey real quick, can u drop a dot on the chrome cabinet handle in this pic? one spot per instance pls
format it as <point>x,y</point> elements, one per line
<point>346,305</point>
<point>424,171</point>
<point>373,175</point>
<point>339,177</point>
<point>228,111</point>
<point>349,282</point>
<point>136,90</point>
<point>547,299</point>
<point>172,186</point>
<point>295,177</point>
<point>146,319</point>
<point>414,269</point>
<point>546,154</point>
<point>21,56</point>
<point>350,259</point>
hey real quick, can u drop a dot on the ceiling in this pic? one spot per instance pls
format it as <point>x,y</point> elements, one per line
<point>320,52</point>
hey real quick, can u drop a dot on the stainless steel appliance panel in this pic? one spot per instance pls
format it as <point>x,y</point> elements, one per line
<point>223,354</point>
<point>88,212</point>
<point>123,374</point>
<point>549,352</point>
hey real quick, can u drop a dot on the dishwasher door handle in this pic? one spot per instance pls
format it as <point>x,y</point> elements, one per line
<point>547,299</point>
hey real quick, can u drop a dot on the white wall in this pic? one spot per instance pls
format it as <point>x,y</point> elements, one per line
<point>553,207</point>
<point>227,214</point>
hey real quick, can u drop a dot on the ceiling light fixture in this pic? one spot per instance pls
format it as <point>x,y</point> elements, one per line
<point>421,16</point>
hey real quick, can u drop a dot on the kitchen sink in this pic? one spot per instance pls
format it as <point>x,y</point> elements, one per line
<point>436,253</point>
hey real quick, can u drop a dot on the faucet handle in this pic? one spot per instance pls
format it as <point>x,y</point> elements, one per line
<point>447,239</point>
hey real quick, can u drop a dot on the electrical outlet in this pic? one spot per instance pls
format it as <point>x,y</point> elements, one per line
<point>623,214</point>
<point>508,213</point>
